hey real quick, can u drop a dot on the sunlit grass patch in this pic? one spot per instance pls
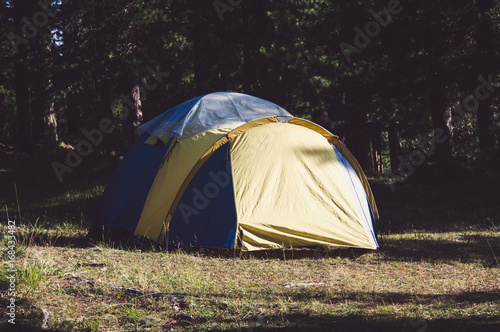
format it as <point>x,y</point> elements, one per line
<point>33,273</point>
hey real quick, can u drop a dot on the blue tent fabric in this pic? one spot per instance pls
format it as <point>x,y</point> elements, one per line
<point>129,186</point>
<point>207,206</point>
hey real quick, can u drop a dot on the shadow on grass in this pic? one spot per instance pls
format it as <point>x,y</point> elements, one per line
<point>367,299</point>
<point>54,208</point>
<point>23,327</point>
<point>26,318</point>
<point>303,322</point>
<point>29,319</point>
<point>436,207</point>
<point>277,254</point>
<point>33,184</point>
<point>329,323</point>
<point>299,322</point>
<point>467,249</point>
<point>57,241</point>
<point>76,211</point>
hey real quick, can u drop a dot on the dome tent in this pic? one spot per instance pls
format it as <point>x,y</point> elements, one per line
<point>235,171</point>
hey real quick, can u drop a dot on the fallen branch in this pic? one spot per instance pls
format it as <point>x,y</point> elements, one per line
<point>92,264</point>
<point>129,291</point>
<point>45,317</point>
<point>494,256</point>
<point>304,284</point>
<point>138,292</point>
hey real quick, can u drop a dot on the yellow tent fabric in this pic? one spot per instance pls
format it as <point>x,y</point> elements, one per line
<point>280,173</point>
<point>171,175</point>
<point>335,141</point>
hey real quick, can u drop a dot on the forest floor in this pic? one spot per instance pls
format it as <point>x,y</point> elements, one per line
<point>438,268</point>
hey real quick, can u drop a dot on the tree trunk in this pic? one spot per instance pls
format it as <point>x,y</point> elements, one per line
<point>394,145</point>
<point>21,86</point>
<point>100,77</point>
<point>254,36</point>
<point>444,155</point>
<point>45,118</point>
<point>73,114</point>
<point>103,91</point>
<point>485,112</point>
<point>132,108</point>
<point>377,151</point>
<point>359,139</point>
<point>51,121</point>
<point>202,50</point>
<point>248,61</point>
<point>73,111</point>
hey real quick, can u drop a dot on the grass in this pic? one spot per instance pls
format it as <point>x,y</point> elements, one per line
<point>438,269</point>
<point>374,290</point>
